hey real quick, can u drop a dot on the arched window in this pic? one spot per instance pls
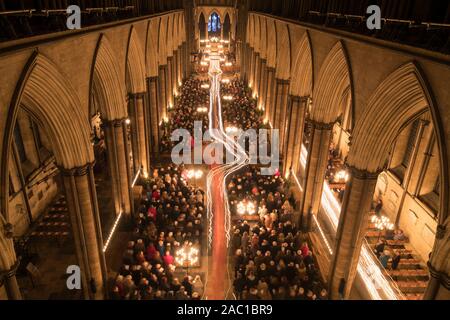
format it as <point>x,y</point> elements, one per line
<point>214,24</point>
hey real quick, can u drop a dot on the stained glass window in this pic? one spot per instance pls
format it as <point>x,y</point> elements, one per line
<point>214,23</point>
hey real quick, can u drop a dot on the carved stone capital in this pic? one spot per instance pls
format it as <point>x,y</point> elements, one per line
<point>440,231</point>
<point>77,171</point>
<point>320,125</point>
<point>152,79</point>
<point>283,82</point>
<point>5,275</point>
<point>442,277</point>
<point>362,174</point>
<point>298,98</point>
<point>137,95</point>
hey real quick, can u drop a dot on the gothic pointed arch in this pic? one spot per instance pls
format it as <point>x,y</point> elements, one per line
<point>302,68</point>
<point>47,96</point>
<point>334,79</point>
<point>106,83</point>
<point>135,64</point>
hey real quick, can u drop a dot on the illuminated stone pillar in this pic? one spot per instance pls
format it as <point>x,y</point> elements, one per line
<point>111,150</point>
<point>353,223</point>
<point>249,58</point>
<point>242,60</point>
<point>280,107</point>
<point>169,81</point>
<point>439,284</point>
<point>252,68</point>
<point>294,133</point>
<point>142,132</point>
<point>270,93</point>
<point>9,288</point>
<point>315,170</point>
<point>154,115</point>
<point>262,84</point>
<point>162,94</point>
<point>179,65</point>
<point>123,167</point>
<point>256,78</point>
<point>81,197</point>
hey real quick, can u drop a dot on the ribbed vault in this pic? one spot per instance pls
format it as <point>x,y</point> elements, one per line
<point>107,83</point>
<point>283,51</point>
<point>334,79</point>
<point>271,43</point>
<point>135,64</point>
<point>49,99</point>
<point>302,68</point>
<point>151,47</point>
<point>396,102</point>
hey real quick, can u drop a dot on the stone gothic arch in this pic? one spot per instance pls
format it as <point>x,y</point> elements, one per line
<point>106,82</point>
<point>151,48</point>
<point>283,61</point>
<point>302,68</point>
<point>271,46</point>
<point>135,64</point>
<point>334,79</point>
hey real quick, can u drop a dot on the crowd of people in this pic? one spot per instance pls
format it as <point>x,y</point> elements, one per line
<point>191,105</point>
<point>272,258</point>
<point>240,112</point>
<point>169,217</point>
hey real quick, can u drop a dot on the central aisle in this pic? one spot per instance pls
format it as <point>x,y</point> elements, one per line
<point>218,281</point>
<point>217,275</point>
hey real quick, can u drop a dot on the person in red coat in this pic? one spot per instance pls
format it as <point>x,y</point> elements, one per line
<point>168,259</point>
<point>151,251</point>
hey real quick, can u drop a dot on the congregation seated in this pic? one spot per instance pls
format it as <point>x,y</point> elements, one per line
<point>241,112</point>
<point>170,216</point>
<point>272,258</point>
<point>186,110</point>
<point>274,263</point>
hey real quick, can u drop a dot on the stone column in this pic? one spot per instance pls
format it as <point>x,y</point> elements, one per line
<point>353,223</point>
<point>174,76</point>
<point>111,150</point>
<point>256,80</point>
<point>82,204</point>
<point>187,63</point>
<point>123,166</point>
<point>315,170</point>
<point>154,119</point>
<point>270,93</point>
<point>281,102</point>
<point>251,67</point>
<point>294,133</point>
<point>169,81</point>
<point>135,137</point>
<point>8,279</point>
<point>262,84</point>
<point>142,132</point>
<point>439,284</point>
<point>249,58</point>
<point>240,60</point>
<point>162,94</point>
<point>179,65</point>
<point>175,71</point>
